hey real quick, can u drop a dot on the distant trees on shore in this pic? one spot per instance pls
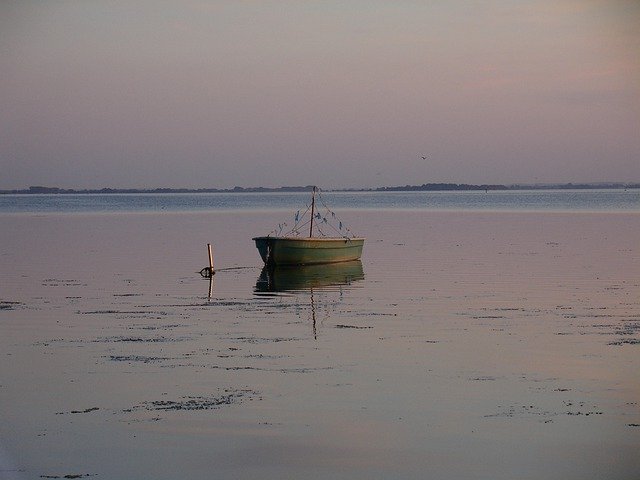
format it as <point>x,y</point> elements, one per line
<point>426,187</point>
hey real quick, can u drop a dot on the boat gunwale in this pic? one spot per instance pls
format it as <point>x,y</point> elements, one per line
<point>312,239</point>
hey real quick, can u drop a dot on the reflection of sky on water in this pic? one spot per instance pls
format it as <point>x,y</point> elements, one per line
<point>463,340</point>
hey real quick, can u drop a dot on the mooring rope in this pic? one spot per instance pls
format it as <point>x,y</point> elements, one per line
<point>207,272</point>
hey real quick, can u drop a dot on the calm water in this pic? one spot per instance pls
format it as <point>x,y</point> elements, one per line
<point>556,200</point>
<point>469,343</point>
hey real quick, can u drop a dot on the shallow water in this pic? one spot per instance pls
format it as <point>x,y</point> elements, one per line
<point>467,344</point>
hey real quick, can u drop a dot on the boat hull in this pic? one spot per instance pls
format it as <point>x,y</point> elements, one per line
<point>308,251</point>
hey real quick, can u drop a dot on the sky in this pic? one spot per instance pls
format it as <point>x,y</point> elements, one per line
<point>340,94</point>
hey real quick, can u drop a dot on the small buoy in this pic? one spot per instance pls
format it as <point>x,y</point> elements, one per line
<point>207,272</point>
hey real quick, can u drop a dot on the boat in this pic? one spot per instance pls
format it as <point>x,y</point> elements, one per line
<point>294,249</point>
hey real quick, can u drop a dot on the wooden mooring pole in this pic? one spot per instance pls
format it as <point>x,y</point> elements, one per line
<point>208,271</point>
<point>210,258</point>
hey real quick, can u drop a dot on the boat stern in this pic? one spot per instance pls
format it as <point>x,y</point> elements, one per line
<point>264,246</point>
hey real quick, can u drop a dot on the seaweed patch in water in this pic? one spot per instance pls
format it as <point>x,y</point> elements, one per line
<point>71,475</point>
<point>7,305</point>
<point>137,358</point>
<point>87,410</point>
<point>263,339</point>
<point>229,397</point>
<point>121,312</point>
<point>155,327</point>
<point>55,282</point>
<point>139,339</point>
<point>521,411</point>
<point>628,341</point>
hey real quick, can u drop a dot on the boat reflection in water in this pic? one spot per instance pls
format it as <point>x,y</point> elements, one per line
<point>324,283</point>
<point>285,278</point>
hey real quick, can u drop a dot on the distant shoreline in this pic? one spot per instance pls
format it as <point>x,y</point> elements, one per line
<point>427,187</point>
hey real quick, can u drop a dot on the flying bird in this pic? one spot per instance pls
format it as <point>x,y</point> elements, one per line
<point>424,157</point>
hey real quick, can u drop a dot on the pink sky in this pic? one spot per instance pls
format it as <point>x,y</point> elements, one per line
<point>338,94</point>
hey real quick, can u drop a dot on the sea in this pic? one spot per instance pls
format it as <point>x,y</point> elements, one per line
<point>518,200</point>
<point>482,335</point>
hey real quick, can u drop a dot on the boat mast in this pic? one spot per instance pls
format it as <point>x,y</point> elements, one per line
<point>313,205</point>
